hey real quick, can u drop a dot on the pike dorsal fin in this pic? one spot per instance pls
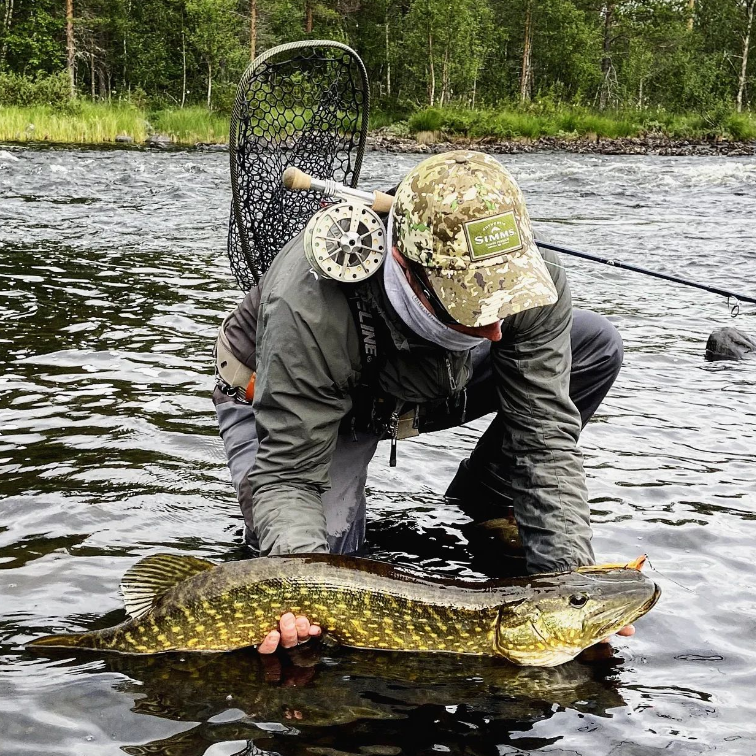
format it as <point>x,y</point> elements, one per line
<point>149,578</point>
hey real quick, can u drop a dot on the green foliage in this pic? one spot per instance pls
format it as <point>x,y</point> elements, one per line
<point>741,126</point>
<point>52,90</point>
<point>449,67</point>
<point>191,125</point>
<point>92,124</point>
<point>430,119</point>
<point>570,121</point>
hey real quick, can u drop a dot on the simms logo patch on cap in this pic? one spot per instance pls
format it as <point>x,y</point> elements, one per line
<point>489,237</point>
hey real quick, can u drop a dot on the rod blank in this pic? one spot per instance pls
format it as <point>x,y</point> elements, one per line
<point>646,272</point>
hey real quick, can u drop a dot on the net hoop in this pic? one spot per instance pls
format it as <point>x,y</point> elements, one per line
<point>304,104</point>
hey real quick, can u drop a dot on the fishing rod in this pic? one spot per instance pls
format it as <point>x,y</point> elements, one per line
<point>645,271</point>
<point>381,202</point>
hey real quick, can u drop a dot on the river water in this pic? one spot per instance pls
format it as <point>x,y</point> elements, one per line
<point>113,281</point>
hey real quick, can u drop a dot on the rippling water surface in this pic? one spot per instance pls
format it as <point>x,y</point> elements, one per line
<point>113,281</point>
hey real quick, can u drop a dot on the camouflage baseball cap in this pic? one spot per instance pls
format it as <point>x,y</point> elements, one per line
<point>462,216</point>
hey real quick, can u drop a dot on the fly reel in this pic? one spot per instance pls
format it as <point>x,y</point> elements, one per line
<point>345,242</point>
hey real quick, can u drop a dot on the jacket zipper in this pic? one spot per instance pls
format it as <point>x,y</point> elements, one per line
<point>452,382</point>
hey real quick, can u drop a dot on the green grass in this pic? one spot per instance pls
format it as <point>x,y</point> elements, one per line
<point>191,125</point>
<point>98,123</point>
<point>575,122</point>
<point>85,122</point>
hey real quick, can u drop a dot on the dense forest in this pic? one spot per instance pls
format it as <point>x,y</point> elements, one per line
<point>677,55</point>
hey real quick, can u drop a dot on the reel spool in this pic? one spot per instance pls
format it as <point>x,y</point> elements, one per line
<point>345,242</point>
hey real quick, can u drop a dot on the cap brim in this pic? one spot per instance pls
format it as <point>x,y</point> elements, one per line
<point>483,294</point>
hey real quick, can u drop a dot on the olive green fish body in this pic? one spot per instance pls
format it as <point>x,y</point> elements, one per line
<point>185,604</point>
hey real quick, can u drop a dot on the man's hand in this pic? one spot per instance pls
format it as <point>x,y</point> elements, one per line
<point>291,631</point>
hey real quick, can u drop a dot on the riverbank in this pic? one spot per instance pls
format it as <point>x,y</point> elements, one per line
<point>648,144</point>
<point>431,130</point>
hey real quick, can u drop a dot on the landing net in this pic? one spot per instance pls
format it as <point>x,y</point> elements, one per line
<point>304,104</point>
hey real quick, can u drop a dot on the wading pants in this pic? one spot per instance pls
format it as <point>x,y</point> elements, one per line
<point>596,360</point>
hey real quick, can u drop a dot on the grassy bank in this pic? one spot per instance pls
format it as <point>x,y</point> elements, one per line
<point>578,122</point>
<point>100,123</point>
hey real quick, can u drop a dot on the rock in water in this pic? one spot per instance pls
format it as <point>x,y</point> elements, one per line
<point>729,344</point>
<point>161,141</point>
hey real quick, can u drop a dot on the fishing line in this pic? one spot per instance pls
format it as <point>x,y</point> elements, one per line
<point>666,577</point>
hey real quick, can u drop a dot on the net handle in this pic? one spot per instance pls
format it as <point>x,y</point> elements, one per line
<point>239,104</point>
<point>296,180</point>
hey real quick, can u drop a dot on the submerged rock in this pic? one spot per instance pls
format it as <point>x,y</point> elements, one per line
<point>729,344</point>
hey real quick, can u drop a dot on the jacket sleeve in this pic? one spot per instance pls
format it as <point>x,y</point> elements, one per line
<point>305,363</point>
<point>541,428</point>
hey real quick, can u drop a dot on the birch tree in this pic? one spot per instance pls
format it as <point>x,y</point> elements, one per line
<point>747,7</point>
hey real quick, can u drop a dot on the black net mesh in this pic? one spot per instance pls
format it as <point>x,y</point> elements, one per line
<point>304,104</point>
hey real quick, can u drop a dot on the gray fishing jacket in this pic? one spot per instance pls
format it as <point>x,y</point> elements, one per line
<point>297,331</point>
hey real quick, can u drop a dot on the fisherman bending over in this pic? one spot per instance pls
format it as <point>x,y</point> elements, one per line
<point>469,318</point>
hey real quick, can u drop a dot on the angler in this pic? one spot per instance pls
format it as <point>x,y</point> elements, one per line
<point>462,328</point>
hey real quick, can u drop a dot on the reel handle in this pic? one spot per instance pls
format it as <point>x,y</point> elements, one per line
<point>296,180</point>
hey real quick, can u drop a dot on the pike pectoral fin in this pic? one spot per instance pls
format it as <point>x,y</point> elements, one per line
<point>154,575</point>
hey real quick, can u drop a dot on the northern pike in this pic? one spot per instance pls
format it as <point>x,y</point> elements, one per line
<point>181,603</point>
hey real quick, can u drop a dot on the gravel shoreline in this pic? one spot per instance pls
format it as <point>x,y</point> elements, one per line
<point>653,144</point>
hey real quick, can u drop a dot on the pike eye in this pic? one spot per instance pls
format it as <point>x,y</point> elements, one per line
<point>578,600</point>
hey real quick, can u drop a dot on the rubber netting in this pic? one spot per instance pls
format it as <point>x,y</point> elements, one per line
<point>305,104</point>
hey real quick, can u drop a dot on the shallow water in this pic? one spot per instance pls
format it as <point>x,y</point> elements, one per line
<point>113,281</point>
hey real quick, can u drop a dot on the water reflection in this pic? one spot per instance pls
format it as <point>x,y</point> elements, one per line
<point>420,699</point>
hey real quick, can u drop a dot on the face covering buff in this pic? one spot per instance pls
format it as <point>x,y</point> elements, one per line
<point>412,311</point>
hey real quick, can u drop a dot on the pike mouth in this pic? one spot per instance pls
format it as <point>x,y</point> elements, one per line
<point>615,620</point>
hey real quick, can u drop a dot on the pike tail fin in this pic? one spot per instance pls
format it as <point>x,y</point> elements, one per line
<point>69,640</point>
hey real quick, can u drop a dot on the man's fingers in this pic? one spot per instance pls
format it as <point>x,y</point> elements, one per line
<point>288,627</point>
<point>291,631</point>
<point>303,628</point>
<point>626,631</point>
<point>270,644</point>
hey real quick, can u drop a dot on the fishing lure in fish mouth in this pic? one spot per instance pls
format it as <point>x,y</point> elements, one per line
<point>181,603</point>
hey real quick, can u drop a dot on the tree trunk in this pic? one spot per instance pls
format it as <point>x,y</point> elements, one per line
<point>92,75</point>
<point>606,58</point>
<point>526,76</point>
<point>475,86</point>
<point>308,17</point>
<point>749,7</point>
<point>183,68</point>
<point>102,82</point>
<point>7,20</point>
<point>692,9</point>
<point>126,84</point>
<point>209,84</point>
<point>252,29</point>
<point>432,78</point>
<point>70,47</point>
<point>388,59</point>
<point>445,78</point>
